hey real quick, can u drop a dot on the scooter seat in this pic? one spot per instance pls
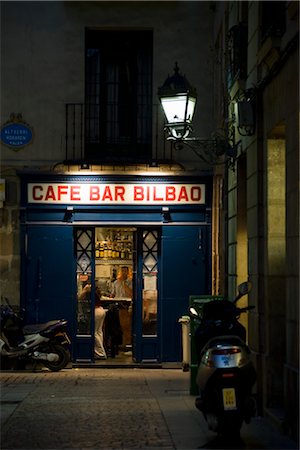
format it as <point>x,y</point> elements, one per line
<point>38,327</point>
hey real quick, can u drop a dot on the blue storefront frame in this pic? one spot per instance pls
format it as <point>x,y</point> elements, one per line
<point>47,233</point>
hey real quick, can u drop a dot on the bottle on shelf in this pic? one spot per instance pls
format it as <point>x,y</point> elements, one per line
<point>122,255</point>
<point>109,250</point>
<point>114,244</point>
<point>129,250</point>
<point>105,250</point>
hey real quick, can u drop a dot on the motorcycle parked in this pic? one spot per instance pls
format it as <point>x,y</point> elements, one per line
<point>226,374</point>
<point>47,342</point>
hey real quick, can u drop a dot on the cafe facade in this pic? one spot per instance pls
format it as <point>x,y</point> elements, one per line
<point>83,228</point>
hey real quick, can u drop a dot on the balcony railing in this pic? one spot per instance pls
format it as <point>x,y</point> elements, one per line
<point>91,140</point>
<point>75,132</point>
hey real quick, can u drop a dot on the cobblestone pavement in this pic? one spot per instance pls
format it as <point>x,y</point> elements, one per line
<point>109,409</point>
<point>90,409</point>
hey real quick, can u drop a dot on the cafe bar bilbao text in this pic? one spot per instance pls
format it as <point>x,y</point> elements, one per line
<point>127,194</point>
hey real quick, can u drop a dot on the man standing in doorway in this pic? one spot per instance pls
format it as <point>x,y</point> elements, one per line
<point>122,287</point>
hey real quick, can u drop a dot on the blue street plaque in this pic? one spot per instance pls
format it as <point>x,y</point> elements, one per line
<point>16,134</point>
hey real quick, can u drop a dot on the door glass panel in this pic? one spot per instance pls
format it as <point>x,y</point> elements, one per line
<point>150,273</point>
<point>84,249</point>
<point>150,262</point>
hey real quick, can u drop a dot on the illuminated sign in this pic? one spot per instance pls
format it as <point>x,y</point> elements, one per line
<point>116,194</point>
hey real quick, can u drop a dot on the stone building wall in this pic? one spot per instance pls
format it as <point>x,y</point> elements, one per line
<point>272,186</point>
<point>43,66</point>
<point>9,240</point>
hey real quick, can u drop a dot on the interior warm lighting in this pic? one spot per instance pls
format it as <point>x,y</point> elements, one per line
<point>84,166</point>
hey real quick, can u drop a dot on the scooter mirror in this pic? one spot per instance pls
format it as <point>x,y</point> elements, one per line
<point>244,288</point>
<point>193,312</point>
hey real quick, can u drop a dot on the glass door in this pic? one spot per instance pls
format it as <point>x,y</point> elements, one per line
<point>146,329</point>
<point>84,249</point>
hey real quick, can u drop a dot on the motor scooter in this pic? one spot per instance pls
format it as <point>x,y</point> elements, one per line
<point>47,342</point>
<point>226,374</point>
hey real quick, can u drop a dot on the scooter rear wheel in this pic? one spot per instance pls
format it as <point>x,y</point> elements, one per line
<point>64,358</point>
<point>230,425</point>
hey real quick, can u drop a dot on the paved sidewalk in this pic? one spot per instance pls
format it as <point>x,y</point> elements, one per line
<point>113,409</point>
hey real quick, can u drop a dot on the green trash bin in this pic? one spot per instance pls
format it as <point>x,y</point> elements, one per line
<point>197,302</point>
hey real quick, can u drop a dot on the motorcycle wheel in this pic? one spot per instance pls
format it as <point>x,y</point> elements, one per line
<point>64,358</point>
<point>230,425</point>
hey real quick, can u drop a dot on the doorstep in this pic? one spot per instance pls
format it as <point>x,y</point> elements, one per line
<point>109,364</point>
<point>119,364</point>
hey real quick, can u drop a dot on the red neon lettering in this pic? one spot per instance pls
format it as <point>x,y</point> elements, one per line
<point>154,195</point>
<point>107,194</point>
<point>195,193</point>
<point>50,195</point>
<point>75,193</point>
<point>138,193</point>
<point>61,190</point>
<point>35,196</point>
<point>170,193</point>
<point>94,193</point>
<point>183,194</point>
<point>119,192</point>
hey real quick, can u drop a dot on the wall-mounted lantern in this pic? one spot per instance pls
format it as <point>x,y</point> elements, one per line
<point>244,116</point>
<point>178,99</point>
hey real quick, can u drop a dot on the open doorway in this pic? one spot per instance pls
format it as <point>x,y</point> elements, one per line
<point>114,283</point>
<point>107,264</point>
<point>105,287</point>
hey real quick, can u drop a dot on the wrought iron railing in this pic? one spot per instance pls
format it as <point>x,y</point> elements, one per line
<point>90,140</point>
<point>74,132</point>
